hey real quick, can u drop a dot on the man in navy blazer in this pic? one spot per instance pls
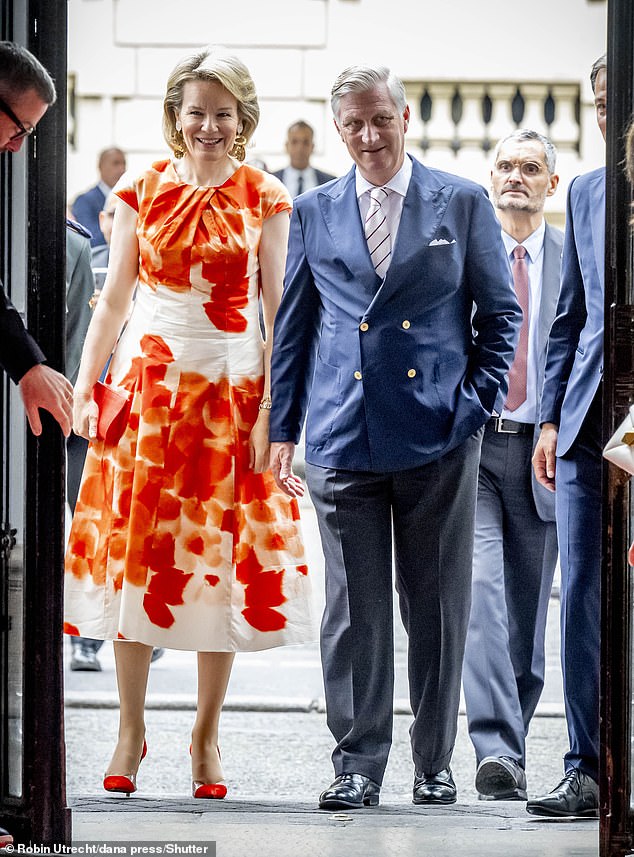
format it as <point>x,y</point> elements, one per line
<point>26,92</point>
<point>395,332</point>
<point>86,207</point>
<point>568,458</point>
<point>300,175</point>
<point>515,549</point>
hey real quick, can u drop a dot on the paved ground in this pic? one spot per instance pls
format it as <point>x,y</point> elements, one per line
<point>276,753</point>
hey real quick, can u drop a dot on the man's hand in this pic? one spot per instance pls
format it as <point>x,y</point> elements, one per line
<point>43,387</point>
<point>544,459</point>
<point>281,467</point>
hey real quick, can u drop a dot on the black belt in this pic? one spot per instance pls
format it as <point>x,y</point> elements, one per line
<point>501,426</point>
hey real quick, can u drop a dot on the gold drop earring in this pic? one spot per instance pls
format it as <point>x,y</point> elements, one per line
<point>178,142</point>
<point>239,148</point>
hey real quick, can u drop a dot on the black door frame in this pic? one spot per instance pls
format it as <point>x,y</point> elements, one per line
<point>41,814</point>
<point>617,599</point>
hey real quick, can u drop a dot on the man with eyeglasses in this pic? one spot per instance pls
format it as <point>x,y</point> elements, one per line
<point>26,92</point>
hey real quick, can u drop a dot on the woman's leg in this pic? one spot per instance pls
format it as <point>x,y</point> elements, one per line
<point>214,669</point>
<point>133,664</point>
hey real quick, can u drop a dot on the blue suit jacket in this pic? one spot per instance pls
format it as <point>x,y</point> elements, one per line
<point>551,276</point>
<point>86,210</point>
<point>574,365</point>
<point>392,375</point>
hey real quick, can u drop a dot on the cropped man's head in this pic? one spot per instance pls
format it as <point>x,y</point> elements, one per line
<point>26,92</point>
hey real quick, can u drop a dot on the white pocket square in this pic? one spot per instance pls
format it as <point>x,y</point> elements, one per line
<point>438,242</point>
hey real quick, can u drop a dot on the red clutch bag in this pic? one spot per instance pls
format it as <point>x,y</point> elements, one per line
<point>114,410</point>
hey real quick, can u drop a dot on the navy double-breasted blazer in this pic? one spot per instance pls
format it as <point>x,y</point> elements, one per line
<point>392,375</point>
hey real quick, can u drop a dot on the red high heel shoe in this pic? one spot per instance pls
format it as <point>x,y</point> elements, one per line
<point>121,784</point>
<point>213,791</point>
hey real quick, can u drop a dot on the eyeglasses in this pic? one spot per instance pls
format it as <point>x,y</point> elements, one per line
<point>23,132</point>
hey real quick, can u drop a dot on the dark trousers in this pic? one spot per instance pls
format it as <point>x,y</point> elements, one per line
<point>423,517</point>
<point>578,497</point>
<point>76,448</point>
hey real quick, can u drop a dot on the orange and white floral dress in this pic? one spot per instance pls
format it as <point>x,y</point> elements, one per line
<point>174,541</point>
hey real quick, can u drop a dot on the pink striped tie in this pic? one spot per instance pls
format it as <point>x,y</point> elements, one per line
<point>517,375</point>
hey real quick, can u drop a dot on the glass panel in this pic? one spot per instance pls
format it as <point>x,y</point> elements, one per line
<point>15,476</point>
<point>14,492</point>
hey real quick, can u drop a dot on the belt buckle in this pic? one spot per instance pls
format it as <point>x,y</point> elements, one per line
<point>499,427</point>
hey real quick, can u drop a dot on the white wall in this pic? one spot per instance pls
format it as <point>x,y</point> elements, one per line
<point>121,52</point>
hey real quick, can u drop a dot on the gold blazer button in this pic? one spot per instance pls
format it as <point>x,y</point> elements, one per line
<point>358,375</point>
<point>411,373</point>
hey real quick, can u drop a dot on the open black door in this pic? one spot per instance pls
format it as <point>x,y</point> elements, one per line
<point>32,260</point>
<point>617,722</point>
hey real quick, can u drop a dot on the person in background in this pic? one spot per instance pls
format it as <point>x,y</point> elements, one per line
<point>86,207</point>
<point>80,287</point>
<point>26,93</point>
<point>180,536</point>
<point>395,332</point>
<point>299,175</point>
<point>515,549</point>
<point>568,461</point>
<point>101,253</point>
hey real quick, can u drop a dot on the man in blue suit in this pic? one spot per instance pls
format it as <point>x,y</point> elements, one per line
<point>515,550</point>
<point>395,332</point>
<point>568,458</point>
<point>86,208</point>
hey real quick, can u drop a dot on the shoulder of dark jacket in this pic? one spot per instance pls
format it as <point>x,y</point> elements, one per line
<point>78,228</point>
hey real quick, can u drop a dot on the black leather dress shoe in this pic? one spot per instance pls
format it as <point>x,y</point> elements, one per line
<point>84,659</point>
<point>350,791</point>
<point>576,795</point>
<point>500,778</point>
<point>435,788</point>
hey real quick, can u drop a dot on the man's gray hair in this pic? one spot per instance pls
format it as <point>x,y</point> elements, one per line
<point>361,78</point>
<point>524,134</point>
<point>20,71</point>
<point>602,62</point>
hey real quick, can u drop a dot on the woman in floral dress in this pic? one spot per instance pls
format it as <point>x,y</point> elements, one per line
<point>180,537</point>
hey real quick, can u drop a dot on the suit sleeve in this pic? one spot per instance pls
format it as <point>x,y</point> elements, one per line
<point>294,341</point>
<point>569,322</point>
<point>497,316</point>
<point>19,352</point>
<point>80,285</point>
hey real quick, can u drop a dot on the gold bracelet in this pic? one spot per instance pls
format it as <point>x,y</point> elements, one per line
<point>266,404</point>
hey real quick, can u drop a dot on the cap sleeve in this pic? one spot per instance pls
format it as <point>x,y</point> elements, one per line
<point>127,189</point>
<point>275,198</point>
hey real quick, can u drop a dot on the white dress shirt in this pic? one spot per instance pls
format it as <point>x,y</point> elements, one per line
<point>393,205</point>
<point>291,179</point>
<point>534,246</point>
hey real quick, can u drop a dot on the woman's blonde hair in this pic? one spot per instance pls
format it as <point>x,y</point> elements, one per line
<point>215,66</point>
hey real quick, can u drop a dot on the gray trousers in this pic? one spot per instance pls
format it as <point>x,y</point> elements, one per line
<point>424,517</point>
<point>514,559</point>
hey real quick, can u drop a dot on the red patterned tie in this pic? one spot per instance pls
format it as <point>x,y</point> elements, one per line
<point>517,375</point>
